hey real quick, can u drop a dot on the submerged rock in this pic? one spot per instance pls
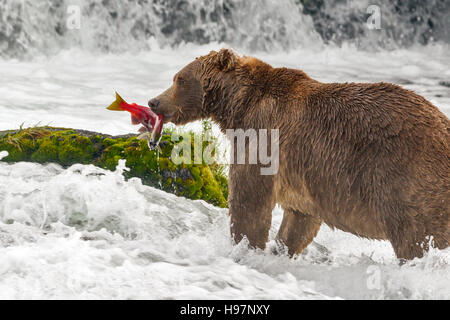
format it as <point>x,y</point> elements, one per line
<point>69,146</point>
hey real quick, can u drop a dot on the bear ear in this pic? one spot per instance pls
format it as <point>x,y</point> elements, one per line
<point>226,60</point>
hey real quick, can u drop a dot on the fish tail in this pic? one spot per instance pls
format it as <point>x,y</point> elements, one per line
<point>115,106</point>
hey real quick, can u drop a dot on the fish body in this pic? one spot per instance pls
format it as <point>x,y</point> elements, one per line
<point>150,121</point>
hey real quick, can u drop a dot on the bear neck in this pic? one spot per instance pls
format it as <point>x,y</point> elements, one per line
<point>225,101</point>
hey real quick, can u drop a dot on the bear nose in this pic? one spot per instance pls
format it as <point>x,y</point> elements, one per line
<point>153,104</point>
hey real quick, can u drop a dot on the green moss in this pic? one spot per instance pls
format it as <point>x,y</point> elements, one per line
<point>47,151</point>
<point>211,191</point>
<point>75,149</point>
<point>69,146</point>
<point>192,187</point>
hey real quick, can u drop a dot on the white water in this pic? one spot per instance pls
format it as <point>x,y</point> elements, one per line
<point>86,233</point>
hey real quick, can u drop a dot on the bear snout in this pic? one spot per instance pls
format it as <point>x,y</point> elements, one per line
<point>154,104</point>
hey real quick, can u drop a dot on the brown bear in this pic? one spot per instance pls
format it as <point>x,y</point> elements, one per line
<point>372,159</point>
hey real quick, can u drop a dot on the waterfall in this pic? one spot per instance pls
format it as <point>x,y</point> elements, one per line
<point>36,27</point>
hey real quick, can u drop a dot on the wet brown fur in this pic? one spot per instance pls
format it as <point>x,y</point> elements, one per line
<point>372,159</point>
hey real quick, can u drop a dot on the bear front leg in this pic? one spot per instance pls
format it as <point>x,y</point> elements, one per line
<point>297,230</point>
<point>251,202</point>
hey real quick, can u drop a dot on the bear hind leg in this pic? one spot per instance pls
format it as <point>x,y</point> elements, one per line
<point>408,239</point>
<point>411,237</point>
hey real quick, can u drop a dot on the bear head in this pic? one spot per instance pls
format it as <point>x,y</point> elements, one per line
<point>185,101</point>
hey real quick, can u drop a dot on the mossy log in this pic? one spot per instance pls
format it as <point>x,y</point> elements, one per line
<point>69,146</point>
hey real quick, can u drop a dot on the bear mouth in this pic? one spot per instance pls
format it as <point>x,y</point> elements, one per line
<point>170,117</point>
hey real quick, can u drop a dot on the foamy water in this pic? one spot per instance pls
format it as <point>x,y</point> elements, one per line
<point>84,232</point>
